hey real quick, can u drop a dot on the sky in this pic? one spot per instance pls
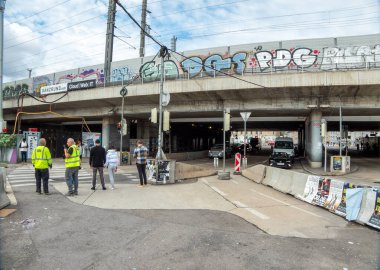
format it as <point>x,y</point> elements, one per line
<point>49,36</point>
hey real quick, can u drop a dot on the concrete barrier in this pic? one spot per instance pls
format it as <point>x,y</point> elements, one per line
<point>188,171</point>
<point>255,173</point>
<point>4,201</point>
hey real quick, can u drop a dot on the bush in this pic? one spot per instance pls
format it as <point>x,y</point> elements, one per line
<point>7,140</point>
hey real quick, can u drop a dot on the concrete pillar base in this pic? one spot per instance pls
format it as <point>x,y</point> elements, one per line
<point>315,164</point>
<point>224,175</point>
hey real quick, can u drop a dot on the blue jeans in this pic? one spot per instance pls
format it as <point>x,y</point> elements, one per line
<point>71,177</point>
<point>23,156</point>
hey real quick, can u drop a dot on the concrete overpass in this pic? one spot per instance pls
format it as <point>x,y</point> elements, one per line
<point>290,98</point>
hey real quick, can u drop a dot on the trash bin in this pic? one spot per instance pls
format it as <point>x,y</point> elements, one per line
<point>160,171</point>
<point>340,164</point>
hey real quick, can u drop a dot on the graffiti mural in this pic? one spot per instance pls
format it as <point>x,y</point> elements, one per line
<point>14,91</point>
<point>149,71</point>
<point>194,65</point>
<point>39,82</point>
<point>86,74</point>
<point>282,58</point>
<point>122,73</point>
<point>350,57</point>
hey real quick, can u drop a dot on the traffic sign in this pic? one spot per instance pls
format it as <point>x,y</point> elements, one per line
<point>123,91</point>
<point>245,115</point>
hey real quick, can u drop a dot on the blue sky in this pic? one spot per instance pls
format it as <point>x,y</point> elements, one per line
<point>49,36</point>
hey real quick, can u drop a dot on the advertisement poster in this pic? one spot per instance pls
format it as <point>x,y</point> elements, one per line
<point>150,170</point>
<point>335,195</point>
<point>341,210</point>
<point>88,141</point>
<point>323,191</point>
<point>374,221</point>
<point>32,141</point>
<point>311,188</point>
<point>163,171</point>
<point>337,163</point>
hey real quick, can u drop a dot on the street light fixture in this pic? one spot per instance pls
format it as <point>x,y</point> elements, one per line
<point>2,8</point>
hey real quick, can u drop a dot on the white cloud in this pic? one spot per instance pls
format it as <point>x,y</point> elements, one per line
<point>45,46</point>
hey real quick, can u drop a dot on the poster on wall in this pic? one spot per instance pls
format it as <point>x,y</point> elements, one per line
<point>374,221</point>
<point>163,171</point>
<point>323,191</point>
<point>150,170</point>
<point>32,140</point>
<point>335,195</point>
<point>311,188</point>
<point>341,209</point>
<point>88,141</point>
<point>337,163</point>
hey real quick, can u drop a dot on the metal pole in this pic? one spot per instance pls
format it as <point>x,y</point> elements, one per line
<point>121,131</point>
<point>340,129</point>
<point>143,26</point>
<point>224,140</point>
<point>245,144</point>
<point>2,8</point>
<point>121,123</point>
<point>109,40</point>
<point>159,150</point>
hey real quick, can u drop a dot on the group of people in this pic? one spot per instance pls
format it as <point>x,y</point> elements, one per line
<point>99,158</point>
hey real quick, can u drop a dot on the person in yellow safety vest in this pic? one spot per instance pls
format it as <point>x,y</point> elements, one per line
<point>41,160</point>
<point>72,164</point>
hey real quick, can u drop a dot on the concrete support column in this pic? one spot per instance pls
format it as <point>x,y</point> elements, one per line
<point>106,132</point>
<point>314,143</point>
<point>143,130</point>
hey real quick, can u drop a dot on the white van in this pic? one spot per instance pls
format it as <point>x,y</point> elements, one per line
<point>284,145</point>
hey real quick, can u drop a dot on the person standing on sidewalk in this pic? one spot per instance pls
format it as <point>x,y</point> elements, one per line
<point>141,153</point>
<point>72,164</point>
<point>23,150</point>
<point>112,161</point>
<point>41,160</point>
<point>97,160</point>
<point>80,147</point>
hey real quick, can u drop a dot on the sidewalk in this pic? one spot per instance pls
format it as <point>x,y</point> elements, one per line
<point>272,211</point>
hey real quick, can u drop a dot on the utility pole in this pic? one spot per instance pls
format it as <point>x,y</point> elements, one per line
<point>109,39</point>
<point>143,26</point>
<point>2,8</point>
<point>174,43</point>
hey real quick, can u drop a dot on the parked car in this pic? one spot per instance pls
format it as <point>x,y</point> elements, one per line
<point>240,148</point>
<point>281,160</point>
<point>217,151</point>
<point>284,145</point>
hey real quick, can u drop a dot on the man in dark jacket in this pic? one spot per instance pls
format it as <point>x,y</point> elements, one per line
<point>97,160</point>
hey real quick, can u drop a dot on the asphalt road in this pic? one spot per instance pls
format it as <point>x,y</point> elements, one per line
<point>65,235</point>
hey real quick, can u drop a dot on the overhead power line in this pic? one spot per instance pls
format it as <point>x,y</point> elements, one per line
<point>165,49</point>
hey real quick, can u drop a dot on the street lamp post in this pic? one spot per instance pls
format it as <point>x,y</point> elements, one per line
<point>2,8</point>
<point>245,116</point>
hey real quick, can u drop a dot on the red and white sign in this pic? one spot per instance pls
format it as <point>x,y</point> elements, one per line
<point>237,162</point>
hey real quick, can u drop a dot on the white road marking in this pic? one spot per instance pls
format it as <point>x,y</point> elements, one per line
<point>24,185</point>
<point>256,213</point>
<point>218,191</point>
<point>235,182</point>
<point>287,204</point>
<point>25,181</point>
<point>239,204</point>
<point>205,181</point>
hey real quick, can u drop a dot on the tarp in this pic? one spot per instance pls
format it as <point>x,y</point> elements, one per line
<point>354,200</point>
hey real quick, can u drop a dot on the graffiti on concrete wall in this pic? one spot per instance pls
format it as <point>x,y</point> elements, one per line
<point>14,91</point>
<point>39,82</point>
<point>149,71</point>
<point>86,74</point>
<point>122,73</point>
<point>283,58</point>
<point>213,63</point>
<point>350,57</point>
